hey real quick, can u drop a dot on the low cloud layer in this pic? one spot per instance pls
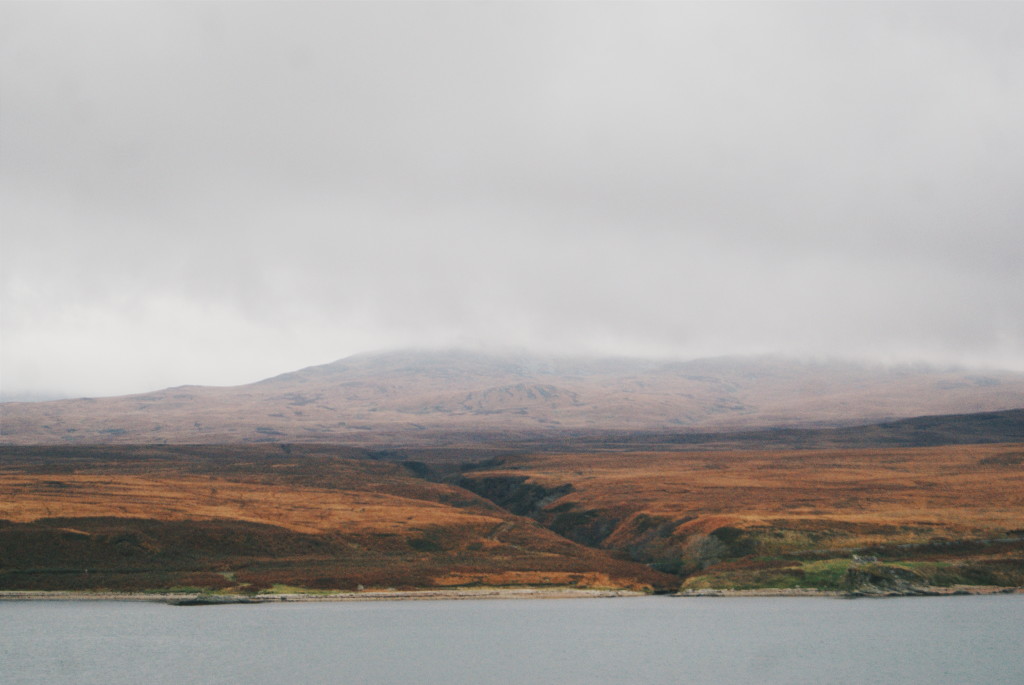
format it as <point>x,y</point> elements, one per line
<point>217,192</point>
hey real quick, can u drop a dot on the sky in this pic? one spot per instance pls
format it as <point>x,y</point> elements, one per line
<point>215,193</point>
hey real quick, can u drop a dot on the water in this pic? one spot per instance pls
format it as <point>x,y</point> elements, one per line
<point>591,641</point>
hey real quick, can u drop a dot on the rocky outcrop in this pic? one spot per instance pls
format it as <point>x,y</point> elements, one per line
<point>882,580</point>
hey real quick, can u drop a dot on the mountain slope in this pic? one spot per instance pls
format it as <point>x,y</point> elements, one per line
<point>443,398</point>
<point>249,517</point>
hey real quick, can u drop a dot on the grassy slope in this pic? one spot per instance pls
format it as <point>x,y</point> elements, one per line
<point>247,518</point>
<point>938,515</point>
<point>251,517</point>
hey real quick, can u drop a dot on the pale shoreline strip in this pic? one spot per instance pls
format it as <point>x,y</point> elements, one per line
<point>361,596</point>
<point>470,593</point>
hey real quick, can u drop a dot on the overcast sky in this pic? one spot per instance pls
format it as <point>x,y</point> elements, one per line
<point>216,193</point>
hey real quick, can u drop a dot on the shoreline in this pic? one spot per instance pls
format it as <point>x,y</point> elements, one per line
<point>195,599</point>
<point>917,591</point>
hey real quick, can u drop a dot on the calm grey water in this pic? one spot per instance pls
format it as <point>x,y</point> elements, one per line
<point>589,641</point>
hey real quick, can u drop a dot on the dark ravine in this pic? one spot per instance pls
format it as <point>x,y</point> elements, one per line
<point>514,493</point>
<point>588,527</point>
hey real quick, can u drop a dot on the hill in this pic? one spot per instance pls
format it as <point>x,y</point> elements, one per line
<point>253,517</point>
<point>461,398</point>
<point>861,520</point>
<point>246,518</point>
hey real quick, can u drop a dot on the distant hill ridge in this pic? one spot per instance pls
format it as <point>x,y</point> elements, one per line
<point>457,397</point>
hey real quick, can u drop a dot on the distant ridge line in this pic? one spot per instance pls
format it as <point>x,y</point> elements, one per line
<point>452,398</point>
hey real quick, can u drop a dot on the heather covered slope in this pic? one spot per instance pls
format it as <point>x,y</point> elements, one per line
<point>423,399</point>
<point>246,518</point>
<point>773,518</point>
<point>249,518</point>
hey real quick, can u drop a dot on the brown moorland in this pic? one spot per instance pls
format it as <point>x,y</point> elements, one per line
<point>810,518</point>
<point>251,517</point>
<point>254,517</point>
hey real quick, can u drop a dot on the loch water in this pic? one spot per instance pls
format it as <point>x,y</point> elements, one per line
<point>651,640</point>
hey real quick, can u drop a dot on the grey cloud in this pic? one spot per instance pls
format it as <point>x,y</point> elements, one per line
<point>311,179</point>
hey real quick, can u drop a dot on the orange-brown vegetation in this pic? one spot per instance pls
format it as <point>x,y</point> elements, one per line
<point>251,517</point>
<point>700,512</point>
<point>960,488</point>
<point>25,497</point>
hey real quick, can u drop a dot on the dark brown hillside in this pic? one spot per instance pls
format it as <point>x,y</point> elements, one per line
<point>922,431</point>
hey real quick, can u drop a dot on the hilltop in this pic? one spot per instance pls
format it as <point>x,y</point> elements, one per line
<point>451,398</point>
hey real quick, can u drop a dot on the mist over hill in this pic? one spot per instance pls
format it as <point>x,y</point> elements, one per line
<point>457,397</point>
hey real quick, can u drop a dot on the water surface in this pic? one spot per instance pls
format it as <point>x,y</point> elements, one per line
<point>585,641</point>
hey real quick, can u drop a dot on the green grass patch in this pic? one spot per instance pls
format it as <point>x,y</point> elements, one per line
<point>745,579</point>
<point>281,589</point>
<point>847,575</point>
<point>827,574</point>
